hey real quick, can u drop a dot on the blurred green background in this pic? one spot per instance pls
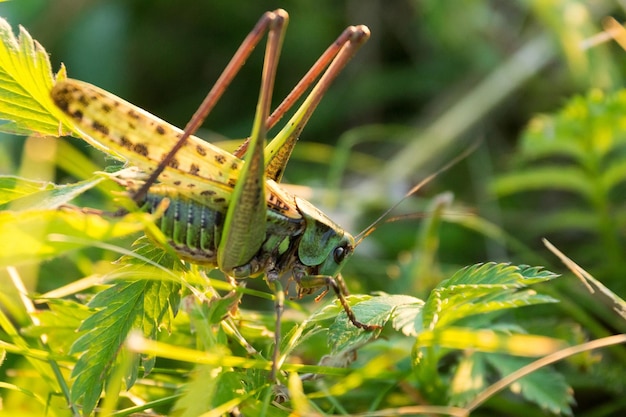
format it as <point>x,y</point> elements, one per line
<point>435,77</point>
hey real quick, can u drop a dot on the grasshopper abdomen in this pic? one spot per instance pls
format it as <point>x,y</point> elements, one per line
<point>193,229</point>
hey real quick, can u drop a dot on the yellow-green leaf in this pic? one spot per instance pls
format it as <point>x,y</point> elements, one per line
<point>25,82</point>
<point>34,235</point>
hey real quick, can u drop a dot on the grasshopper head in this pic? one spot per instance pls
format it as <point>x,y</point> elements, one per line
<point>341,251</point>
<point>325,247</point>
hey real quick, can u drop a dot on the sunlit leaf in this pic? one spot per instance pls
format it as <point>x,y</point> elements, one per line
<point>25,83</point>
<point>545,387</point>
<point>33,235</point>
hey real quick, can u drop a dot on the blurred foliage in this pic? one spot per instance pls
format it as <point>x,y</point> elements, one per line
<point>435,77</point>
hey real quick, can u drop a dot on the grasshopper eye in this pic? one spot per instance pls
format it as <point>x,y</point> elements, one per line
<point>340,254</point>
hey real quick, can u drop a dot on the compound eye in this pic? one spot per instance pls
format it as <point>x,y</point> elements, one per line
<point>340,254</point>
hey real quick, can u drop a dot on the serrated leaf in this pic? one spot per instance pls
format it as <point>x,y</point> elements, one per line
<point>343,335</point>
<point>25,83</point>
<point>145,297</point>
<point>331,310</point>
<point>500,274</point>
<point>121,309</point>
<point>160,298</point>
<point>545,387</point>
<point>407,317</point>
<point>59,323</point>
<point>482,288</point>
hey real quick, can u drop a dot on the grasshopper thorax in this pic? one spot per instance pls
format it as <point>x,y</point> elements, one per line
<point>324,247</point>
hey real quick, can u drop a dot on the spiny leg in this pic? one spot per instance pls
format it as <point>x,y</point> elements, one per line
<point>346,307</point>
<point>279,150</point>
<point>352,37</point>
<point>311,283</point>
<point>329,65</point>
<point>233,67</point>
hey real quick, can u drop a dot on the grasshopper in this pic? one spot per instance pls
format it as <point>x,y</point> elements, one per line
<point>227,210</point>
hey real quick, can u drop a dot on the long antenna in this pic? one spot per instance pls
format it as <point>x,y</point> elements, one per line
<point>369,229</point>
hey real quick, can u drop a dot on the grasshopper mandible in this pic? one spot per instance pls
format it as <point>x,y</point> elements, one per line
<point>227,210</point>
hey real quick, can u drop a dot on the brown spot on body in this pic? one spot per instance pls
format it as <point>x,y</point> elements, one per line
<point>194,169</point>
<point>274,201</point>
<point>177,183</point>
<point>141,149</point>
<point>60,99</point>
<point>207,193</point>
<point>133,114</point>
<point>83,100</point>
<point>106,108</point>
<point>232,182</point>
<point>96,125</point>
<point>124,142</point>
<point>174,163</point>
<point>200,149</point>
<point>220,159</point>
<point>233,166</point>
<point>77,115</point>
<point>219,200</point>
<point>160,130</point>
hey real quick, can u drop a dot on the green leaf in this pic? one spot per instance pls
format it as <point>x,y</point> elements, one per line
<point>492,273</point>
<point>210,389</point>
<point>146,297</point>
<point>160,298</point>
<point>198,391</point>
<point>25,83</point>
<point>468,380</point>
<point>566,178</point>
<point>614,173</point>
<point>483,288</point>
<point>567,220</point>
<point>12,188</point>
<point>545,387</point>
<point>343,335</point>
<point>587,128</point>
<point>59,323</point>
<point>407,317</point>
<point>120,311</point>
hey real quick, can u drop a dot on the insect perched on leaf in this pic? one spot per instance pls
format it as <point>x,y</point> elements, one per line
<point>227,210</point>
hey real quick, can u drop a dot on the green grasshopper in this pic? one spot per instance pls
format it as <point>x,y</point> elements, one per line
<point>227,210</point>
